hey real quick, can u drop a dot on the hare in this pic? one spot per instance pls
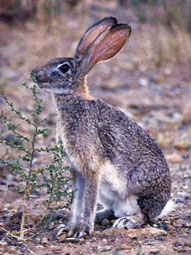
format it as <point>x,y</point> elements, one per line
<point>114,162</point>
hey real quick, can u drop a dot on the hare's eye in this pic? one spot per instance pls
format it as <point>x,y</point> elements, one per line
<point>64,68</point>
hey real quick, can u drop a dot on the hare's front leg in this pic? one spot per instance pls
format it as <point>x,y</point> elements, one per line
<point>77,204</point>
<point>88,200</point>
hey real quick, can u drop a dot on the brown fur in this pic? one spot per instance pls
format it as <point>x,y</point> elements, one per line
<point>112,159</point>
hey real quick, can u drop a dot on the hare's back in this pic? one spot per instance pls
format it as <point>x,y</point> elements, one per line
<point>119,134</point>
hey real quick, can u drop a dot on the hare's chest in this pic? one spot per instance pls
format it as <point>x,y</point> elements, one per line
<point>72,158</point>
<point>61,136</point>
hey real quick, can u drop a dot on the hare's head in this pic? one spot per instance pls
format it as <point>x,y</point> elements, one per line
<point>101,41</point>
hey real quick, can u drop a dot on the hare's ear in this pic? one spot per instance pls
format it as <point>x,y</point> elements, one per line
<point>105,46</point>
<point>92,32</point>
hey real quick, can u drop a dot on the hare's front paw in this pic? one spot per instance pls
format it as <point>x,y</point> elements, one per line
<point>81,230</point>
<point>128,222</point>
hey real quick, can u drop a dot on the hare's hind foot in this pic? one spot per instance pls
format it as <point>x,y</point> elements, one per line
<point>128,222</point>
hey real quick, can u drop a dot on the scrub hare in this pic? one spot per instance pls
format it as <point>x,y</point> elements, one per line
<point>114,162</point>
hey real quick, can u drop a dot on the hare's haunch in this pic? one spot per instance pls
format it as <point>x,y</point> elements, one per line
<point>113,160</point>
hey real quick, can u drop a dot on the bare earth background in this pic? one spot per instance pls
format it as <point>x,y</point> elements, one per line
<point>149,79</point>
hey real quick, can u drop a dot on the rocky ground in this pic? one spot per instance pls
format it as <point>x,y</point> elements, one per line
<point>158,99</point>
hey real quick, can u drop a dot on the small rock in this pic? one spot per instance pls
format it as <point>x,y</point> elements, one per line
<point>174,158</point>
<point>74,240</point>
<point>106,248</point>
<point>187,225</point>
<point>159,78</point>
<point>61,237</point>
<point>163,226</point>
<point>161,238</point>
<point>182,243</point>
<point>154,231</point>
<point>178,223</point>
<point>125,247</point>
<point>37,240</point>
<point>133,85</point>
<point>3,243</point>
<point>62,225</point>
<point>167,71</point>
<point>177,243</point>
<point>44,240</point>
<point>113,221</point>
<point>52,225</point>
<point>143,82</point>
<point>154,252</point>
<point>180,249</point>
<point>13,139</point>
<point>105,222</point>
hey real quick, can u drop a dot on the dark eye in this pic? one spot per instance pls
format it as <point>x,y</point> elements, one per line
<point>64,68</point>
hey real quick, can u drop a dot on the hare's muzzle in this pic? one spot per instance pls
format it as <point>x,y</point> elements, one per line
<point>41,76</point>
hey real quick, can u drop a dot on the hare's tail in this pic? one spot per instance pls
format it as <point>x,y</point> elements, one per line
<point>169,207</point>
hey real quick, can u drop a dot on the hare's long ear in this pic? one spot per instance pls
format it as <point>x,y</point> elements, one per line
<point>92,32</point>
<point>105,46</point>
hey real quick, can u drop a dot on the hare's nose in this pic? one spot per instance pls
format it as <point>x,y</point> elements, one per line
<point>41,76</point>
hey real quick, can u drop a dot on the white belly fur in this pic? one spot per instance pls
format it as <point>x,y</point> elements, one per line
<point>113,193</point>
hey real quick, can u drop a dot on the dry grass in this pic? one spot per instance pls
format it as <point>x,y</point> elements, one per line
<point>165,35</point>
<point>156,44</point>
<point>164,39</point>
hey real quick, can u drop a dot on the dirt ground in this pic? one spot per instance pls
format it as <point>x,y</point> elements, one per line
<point>158,99</point>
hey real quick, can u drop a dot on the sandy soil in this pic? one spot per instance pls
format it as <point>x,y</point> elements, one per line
<point>155,98</point>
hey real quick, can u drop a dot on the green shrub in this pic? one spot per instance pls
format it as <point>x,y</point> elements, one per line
<point>52,176</point>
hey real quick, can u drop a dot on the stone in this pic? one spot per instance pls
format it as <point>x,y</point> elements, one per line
<point>105,222</point>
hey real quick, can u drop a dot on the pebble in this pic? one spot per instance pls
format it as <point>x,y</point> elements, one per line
<point>52,225</point>
<point>12,138</point>
<point>182,249</point>
<point>143,82</point>
<point>187,225</point>
<point>3,243</point>
<point>174,158</point>
<point>161,238</point>
<point>125,247</point>
<point>154,252</point>
<point>105,222</point>
<point>159,78</point>
<point>113,221</point>
<point>44,240</point>
<point>107,248</point>
<point>74,240</point>
<point>167,71</point>
<point>154,231</point>
<point>61,236</point>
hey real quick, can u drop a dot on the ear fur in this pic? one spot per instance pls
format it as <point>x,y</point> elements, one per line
<point>92,32</point>
<point>105,46</point>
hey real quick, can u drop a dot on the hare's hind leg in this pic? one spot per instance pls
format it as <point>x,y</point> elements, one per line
<point>149,209</point>
<point>129,213</point>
